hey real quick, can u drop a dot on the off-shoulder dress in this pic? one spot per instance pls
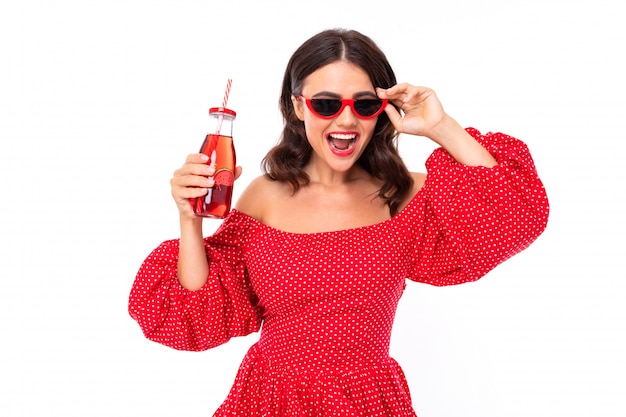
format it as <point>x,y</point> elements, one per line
<point>325,302</point>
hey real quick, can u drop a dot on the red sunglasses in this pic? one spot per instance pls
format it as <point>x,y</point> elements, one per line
<point>327,108</point>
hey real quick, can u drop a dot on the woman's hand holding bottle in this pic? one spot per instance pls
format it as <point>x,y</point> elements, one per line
<point>193,179</point>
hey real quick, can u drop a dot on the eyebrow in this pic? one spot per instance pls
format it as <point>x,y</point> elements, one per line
<point>360,94</point>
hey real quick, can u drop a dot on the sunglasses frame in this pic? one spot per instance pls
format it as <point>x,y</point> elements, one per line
<point>344,102</point>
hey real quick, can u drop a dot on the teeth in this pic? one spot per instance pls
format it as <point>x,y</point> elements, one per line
<point>342,141</point>
<point>343,136</point>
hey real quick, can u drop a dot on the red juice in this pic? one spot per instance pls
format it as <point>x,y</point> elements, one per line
<point>221,153</point>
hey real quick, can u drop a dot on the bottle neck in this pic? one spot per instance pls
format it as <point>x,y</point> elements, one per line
<point>220,123</point>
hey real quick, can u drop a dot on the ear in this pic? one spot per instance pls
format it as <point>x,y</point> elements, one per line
<point>298,107</point>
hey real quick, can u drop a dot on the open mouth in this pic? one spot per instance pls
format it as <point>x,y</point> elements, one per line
<point>342,142</point>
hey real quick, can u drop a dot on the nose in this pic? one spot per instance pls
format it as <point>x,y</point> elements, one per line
<point>346,117</point>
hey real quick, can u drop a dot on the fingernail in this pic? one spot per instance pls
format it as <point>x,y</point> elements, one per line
<point>210,181</point>
<point>204,157</point>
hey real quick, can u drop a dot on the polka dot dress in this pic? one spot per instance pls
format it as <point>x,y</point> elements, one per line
<point>326,301</point>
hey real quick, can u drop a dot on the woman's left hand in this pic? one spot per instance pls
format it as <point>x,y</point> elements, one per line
<point>422,110</point>
<point>423,115</point>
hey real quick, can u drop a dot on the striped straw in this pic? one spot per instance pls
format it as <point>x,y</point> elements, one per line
<point>224,102</point>
<point>228,84</point>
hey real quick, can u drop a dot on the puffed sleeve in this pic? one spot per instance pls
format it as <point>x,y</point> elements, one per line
<point>477,217</point>
<point>224,307</point>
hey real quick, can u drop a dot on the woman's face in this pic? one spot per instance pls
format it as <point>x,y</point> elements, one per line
<point>339,141</point>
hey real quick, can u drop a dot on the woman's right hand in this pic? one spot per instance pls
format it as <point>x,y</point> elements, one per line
<point>193,180</point>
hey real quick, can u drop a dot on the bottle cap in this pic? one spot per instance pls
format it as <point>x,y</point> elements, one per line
<point>222,110</point>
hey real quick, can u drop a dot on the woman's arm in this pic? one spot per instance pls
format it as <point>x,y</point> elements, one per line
<point>424,116</point>
<point>190,181</point>
<point>193,267</point>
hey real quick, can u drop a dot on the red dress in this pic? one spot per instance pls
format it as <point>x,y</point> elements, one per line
<point>327,300</point>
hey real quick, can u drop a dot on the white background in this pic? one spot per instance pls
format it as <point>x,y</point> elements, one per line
<point>100,101</point>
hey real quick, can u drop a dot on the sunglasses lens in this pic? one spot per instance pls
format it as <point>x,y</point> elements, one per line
<point>367,107</point>
<point>326,107</point>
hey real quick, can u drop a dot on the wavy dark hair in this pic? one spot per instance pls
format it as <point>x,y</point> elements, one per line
<point>286,161</point>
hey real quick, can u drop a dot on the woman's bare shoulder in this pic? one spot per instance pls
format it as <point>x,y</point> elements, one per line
<point>259,195</point>
<point>419,179</point>
<point>418,182</point>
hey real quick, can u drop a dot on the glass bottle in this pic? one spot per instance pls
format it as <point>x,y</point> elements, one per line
<point>218,146</point>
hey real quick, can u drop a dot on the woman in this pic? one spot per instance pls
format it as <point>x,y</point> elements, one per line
<point>318,248</point>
